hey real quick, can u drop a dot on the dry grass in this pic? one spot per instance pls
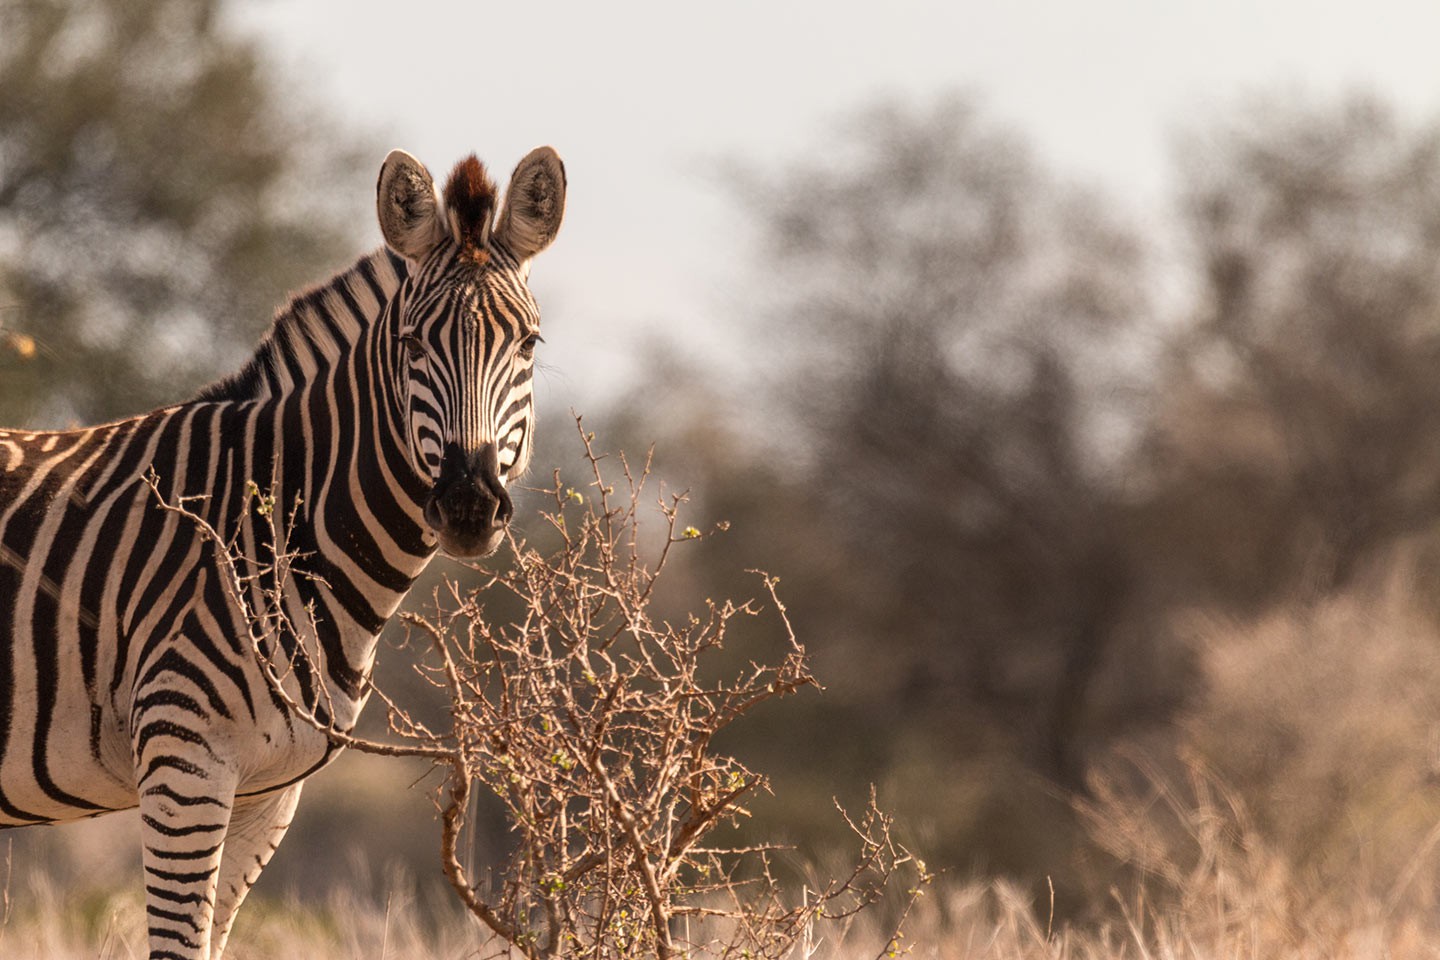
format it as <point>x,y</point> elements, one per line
<point>46,924</point>
<point>1205,887</point>
<point>966,922</point>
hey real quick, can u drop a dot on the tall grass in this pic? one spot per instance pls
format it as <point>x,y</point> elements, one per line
<point>1202,885</point>
<point>45,923</point>
<point>1294,815</point>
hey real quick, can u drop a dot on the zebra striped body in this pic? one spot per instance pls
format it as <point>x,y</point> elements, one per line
<point>385,413</point>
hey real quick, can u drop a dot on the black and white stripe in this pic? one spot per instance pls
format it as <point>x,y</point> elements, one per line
<point>127,673</point>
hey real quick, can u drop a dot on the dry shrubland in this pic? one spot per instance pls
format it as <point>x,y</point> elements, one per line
<point>1324,717</point>
<point>1298,820</point>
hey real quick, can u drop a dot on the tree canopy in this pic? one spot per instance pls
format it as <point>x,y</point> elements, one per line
<point>160,193</point>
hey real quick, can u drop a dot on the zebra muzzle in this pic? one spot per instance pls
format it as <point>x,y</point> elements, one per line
<point>468,507</point>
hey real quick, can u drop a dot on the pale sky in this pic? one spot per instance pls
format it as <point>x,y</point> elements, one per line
<point>645,99</point>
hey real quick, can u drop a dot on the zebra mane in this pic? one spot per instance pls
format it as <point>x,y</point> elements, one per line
<point>470,205</point>
<point>318,322</point>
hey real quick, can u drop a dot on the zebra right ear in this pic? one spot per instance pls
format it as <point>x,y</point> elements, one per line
<point>407,206</point>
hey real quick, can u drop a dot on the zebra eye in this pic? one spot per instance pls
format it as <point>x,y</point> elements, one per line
<point>527,346</point>
<point>414,346</point>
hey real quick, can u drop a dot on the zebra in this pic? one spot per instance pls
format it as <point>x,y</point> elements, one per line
<point>386,411</point>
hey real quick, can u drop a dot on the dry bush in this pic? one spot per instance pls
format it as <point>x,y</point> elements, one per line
<point>1323,717</point>
<point>593,723</point>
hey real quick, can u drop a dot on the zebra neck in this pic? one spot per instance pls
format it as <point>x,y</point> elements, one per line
<point>342,469</point>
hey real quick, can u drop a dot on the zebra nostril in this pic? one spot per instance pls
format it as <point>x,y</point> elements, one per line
<point>434,512</point>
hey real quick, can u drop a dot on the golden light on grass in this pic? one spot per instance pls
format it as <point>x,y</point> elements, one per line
<point>23,344</point>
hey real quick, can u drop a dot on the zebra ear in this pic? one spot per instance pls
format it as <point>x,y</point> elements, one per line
<point>408,209</point>
<point>534,204</point>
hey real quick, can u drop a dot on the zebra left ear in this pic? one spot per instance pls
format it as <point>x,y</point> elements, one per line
<point>534,204</point>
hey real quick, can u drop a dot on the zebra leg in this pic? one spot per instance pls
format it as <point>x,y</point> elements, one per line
<point>186,791</point>
<point>183,826</point>
<point>257,825</point>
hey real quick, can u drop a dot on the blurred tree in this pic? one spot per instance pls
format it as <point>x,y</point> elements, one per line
<point>936,464</point>
<point>1301,404</point>
<point>995,494</point>
<point>159,195</point>
<point>959,314</point>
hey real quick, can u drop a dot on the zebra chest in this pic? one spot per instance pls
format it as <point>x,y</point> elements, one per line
<point>255,705</point>
<point>258,731</point>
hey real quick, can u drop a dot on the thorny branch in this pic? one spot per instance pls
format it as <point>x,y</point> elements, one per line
<point>257,589</point>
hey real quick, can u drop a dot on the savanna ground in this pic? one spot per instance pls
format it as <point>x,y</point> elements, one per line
<point>1225,894</point>
<point>1176,863</point>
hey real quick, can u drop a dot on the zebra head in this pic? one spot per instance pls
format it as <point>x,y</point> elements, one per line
<point>466,328</point>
